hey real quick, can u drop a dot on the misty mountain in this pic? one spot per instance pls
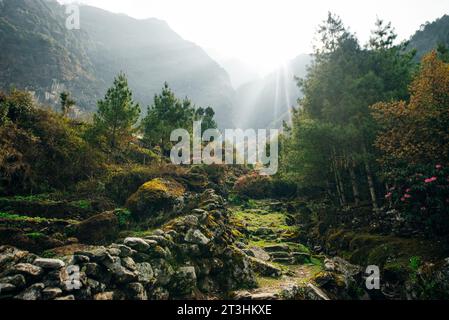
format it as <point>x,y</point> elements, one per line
<point>430,35</point>
<point>41,55</point>
<point>239,72</point>
<point>265,103</point>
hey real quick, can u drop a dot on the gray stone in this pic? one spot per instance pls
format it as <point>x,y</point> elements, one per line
<point>191,220</point>
<point>315,293</point>
<point>104,296</point>
<point>196,237</point>
<point>137,244</point>
<point>32,293</point>
<point>96,286</point>
<point>184,280</point>
<point>126,251</point>
<point>7,288</point>
<point>277,248</point>
<point>79,259</point>
<point>49,263</point>
<point>260,253</point>
<point>265,269</point>
<point>145,272</point>
<point>137,291</point>
<point>301,257</point>
<point>114,251</point>
<point>51,293</point>
<point>120,273</point>
<point>129,263</point>
<point>66,298</point>
<point>28,269</point>
<point>17,280</point>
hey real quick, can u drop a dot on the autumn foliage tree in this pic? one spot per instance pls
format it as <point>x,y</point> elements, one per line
<point>416,132</point>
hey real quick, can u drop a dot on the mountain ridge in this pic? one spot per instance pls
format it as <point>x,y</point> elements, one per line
<point>42,56</point>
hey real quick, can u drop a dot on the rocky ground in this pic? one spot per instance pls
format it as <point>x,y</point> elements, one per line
<point>285,268</point>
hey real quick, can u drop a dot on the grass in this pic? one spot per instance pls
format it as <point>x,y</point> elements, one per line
<point>263,282</point>
<point>30,198</point>
<point>83,204</point>
<point>275,221</point>
<point>16,217</point>
<point>35,235</point>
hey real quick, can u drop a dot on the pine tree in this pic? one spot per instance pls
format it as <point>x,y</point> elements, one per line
<point>117,114</point>
<point>66,102</point>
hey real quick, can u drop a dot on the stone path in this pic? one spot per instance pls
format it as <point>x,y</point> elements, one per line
<point>268,236</point>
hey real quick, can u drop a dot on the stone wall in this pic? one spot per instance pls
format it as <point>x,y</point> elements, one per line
<point>192,256</point>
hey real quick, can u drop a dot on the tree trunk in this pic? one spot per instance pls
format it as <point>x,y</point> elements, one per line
<point>370,179</point>
<point>355,187</point>
<point>338,182</point>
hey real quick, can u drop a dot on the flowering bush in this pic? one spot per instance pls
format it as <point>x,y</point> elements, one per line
<point>422,194</point>
<point>254,186</point>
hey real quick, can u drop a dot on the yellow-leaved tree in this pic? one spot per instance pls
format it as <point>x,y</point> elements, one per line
<point>417,132</point>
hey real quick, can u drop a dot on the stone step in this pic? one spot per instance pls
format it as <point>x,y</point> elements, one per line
<point>290,260</point>
<point>301,257</point>
<point>280,254</point>
<point>277,248</point>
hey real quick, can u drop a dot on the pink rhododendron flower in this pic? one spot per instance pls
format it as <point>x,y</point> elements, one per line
<point>430,180</point>
<point>439,166</point>
<point>407,196</point>
<point>408,190</point>
<point>388,195</point>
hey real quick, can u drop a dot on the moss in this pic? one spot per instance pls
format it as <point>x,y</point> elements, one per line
<point>154,196</point>
<point>264,282</point>
<point>236,233</point>
<point>16,217</point>
<point>83,204</point>
<point>35,235</point>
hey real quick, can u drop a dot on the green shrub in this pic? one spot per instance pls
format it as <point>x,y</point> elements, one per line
<point>421,193</point>
<point>124,217</point>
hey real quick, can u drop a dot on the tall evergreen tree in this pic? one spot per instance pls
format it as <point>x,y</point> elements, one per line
<point>117,114</point>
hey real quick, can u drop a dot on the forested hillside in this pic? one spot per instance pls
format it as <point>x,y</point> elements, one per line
<point>430,35</point>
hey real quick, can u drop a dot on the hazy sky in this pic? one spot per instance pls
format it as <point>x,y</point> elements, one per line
<point>265,33</point>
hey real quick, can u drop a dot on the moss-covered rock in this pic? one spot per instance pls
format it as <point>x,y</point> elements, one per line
<point>153,197</point>
<point>100,228</point>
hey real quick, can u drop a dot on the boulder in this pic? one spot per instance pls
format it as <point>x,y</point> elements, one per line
<point>153,197</point>
<point>100,228</point>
